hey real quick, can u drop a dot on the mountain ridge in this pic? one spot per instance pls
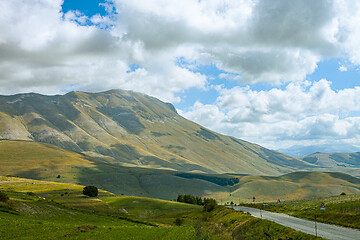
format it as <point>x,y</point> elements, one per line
<point>133,129</point>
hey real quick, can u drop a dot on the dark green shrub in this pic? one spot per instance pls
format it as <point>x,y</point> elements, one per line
<point>342,193</point>
<point>178,221</point>
<point>3,197</point>
<point>90,191</point>
<point>210,205</point>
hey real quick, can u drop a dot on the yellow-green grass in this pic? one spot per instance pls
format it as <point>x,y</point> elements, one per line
<point>225,223</point>
<point>70,195</point>
<point>40,209</point>
<point>341,210</point>
<point>18,184</point>
<point>41,161</point>
<point>56,222</point>
<point>26,216</point>
<point>47,162</point>
<point>293,186</point>
<point>143,208</point>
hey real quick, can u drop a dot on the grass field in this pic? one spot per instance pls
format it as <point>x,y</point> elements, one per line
<point>144,208</point>
<point>343,210</point>
<point>49,210</point>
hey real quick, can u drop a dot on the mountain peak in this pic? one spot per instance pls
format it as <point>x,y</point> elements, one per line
<point>133,129</point>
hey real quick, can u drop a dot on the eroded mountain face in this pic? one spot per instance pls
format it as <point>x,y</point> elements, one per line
<point>132,129</point>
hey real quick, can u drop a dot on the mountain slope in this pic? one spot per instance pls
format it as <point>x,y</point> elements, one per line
<point>47,162</point>
<point>126,128</point>
<point>334,159</point>
<point>340,162</point>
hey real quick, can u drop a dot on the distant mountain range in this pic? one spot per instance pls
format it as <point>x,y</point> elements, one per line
<point>130,129</point>
<point>300,151</point>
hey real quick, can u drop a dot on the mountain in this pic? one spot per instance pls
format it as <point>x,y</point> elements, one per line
<point>300,151</point>
<point>334,159</point>
<point>341,162</point>
<point>130,129</point>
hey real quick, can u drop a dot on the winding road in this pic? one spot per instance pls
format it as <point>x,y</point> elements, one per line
<point>326,231</point>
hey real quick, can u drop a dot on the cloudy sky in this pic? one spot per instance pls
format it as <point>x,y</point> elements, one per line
<point>278,73</point>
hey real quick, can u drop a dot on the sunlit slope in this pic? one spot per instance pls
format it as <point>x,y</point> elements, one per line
<point>46,162</point>
<point>49,210</point>
<point>340,162</point>
<point>296,185</point>
<point>132,129</point>
<point>40,161</point>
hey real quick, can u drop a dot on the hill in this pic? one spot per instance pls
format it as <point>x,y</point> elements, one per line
<point>47,162</point>
<point>292,186</point>
<point>58,210</point>
<point>341,162</point>
<point>131,129</point>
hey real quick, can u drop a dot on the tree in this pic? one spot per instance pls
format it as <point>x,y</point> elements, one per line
<point>178,221</point>
<point>90,191</point>
<point>3,197</point>
<point>210,205</point>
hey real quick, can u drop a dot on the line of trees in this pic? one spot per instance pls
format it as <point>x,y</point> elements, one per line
<point>186,198</point>
<point>208,203</point>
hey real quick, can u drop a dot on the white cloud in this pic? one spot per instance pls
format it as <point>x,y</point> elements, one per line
<point>300,112</point>
<point>47,52</point>
<point>255,41</point>
<point>343,68</point>
<point>43,50</point>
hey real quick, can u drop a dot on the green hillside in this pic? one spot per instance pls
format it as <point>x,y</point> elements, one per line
<point>60,211</point>
<point>292,186</point>
<point>46,162</point>
<point>341,162</point>
<point>131,129</point>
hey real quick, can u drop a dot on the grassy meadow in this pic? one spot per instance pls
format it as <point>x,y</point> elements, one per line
<point>50,210</point>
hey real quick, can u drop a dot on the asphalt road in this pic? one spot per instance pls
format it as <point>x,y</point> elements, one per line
<point>324,230</point>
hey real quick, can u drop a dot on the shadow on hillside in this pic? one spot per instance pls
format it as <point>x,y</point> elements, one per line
<point>154,183</point>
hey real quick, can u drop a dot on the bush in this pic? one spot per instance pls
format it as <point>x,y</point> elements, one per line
<point>342,193</point>
<point>90,191</point>
<point>210,205</point>
<point>178,221</point>
<point>3,197</point>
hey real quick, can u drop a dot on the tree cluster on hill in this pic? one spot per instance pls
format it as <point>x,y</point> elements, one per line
<point>208,203</point>
<point>90,191</point>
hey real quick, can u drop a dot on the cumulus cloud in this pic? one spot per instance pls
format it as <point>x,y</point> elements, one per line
<point>48,51</point>
<point>307,112</point>
<point>256,41</point>
<point>45,50</point>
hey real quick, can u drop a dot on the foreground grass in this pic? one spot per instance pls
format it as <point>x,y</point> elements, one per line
<point>143,208</point>
<point>343,210</point>
<point>56,211</point>
<point>225,223</point>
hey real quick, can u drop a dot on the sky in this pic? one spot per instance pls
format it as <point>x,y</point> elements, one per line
<point>277,73</point>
